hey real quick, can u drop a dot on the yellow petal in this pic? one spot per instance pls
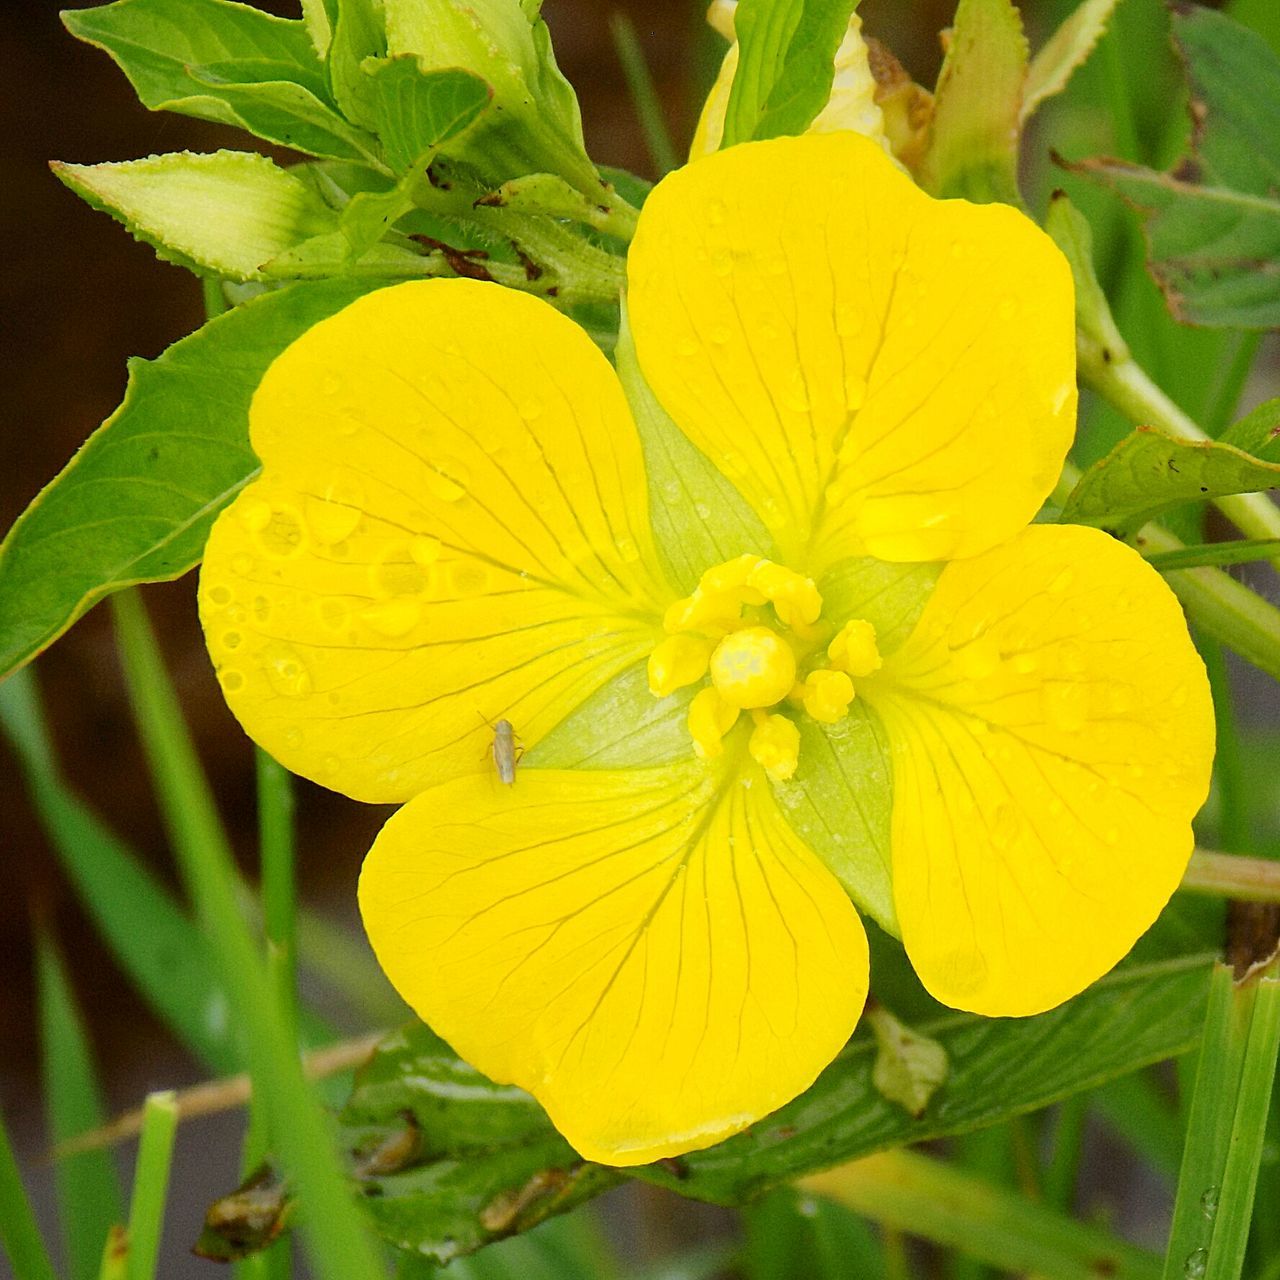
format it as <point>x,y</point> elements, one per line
<point>652,953</point>
<point>451,528</point>
<point>881,372</point>
<point>1052,737</point>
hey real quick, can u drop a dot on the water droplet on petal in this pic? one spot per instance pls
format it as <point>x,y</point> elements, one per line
<point>261,608</point>
<point>242,565</point>
<point>1006,827</point>
<point>281,536</point>
<point>231,639</point>
<point>393,618</point>
<point>330,384</point>
<point>448,483</point>
<point>231,680</point>
<point>220,595</point>
<point>293,736</point>
<point>255,513</point>
<point>1196,1265</point>
<point>331,521</point>
<point>1209,1203</point>
<point>425,549</point>
<point>286,673</point>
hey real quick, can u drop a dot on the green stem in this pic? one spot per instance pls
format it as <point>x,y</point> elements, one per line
<point>1230,875</point>
<point>1226,1127</point>
<point>1064,1162</point>
<point>151,1184</point>
<point>279,899</point>
<point>18,1231</point>
<point>927,1198</point>
<point>1124,384</point>
<point>1228,764</point>
<point>340,1246</point>
<point>215,298</point>
<point>644,96</point>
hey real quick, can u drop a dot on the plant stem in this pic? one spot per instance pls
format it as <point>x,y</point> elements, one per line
<point>1230,875</point>
<point>151,1184</point>
<point>279,898</point>
<point>1123,383</point>
<point>18,1231</point>
<point>1227,1126</point>
<point>644,96</point>
<point>927,1198</point>
<point>340,1246</point>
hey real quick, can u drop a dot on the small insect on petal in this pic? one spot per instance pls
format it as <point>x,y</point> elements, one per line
<point>505,751</point>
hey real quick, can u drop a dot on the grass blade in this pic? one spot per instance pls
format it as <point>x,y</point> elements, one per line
<point>339,1245</point>
<point>151,1185</point>
<point>150,936</point>
<point>18,1231</point>
<point>644,95</point>
<point>927,1198</point>
<point>89,1201</point>
<point>1227,1127</point>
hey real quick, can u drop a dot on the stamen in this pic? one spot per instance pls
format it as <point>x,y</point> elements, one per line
<point>754,667</point>
<point>854,649</point>
<point>710,718</point>
<point>676,662</point>
<point>775,745</point>
<point>827,695</point>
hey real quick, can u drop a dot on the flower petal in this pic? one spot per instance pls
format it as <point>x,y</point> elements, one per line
<point>652,953</point>
<point>451,528</point>
<point>879,372</point>
<point>1052,738</point>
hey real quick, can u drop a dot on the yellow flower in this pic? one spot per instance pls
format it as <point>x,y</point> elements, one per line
<point>854,671</point>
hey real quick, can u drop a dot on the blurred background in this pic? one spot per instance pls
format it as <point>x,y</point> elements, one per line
<point>80,296</point>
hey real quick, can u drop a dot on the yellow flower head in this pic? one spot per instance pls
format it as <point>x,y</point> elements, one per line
<point>798,648</point>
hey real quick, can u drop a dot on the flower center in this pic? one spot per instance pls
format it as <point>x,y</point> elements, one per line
<point>756,629</point>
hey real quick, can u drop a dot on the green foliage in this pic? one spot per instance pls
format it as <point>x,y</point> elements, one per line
<point>910,1067</point>
<point>415,113</point>
<point>19,1235</point>
<point>1213,222</point>
<point>1150,472</point>
<point>1064,53</point>
<point>226,62</point>
<point>225,214</point>
<point>790,1234</point>
<point>489,1155</point>
<point>151,1184</point>
<point>135,504</point>
<point>973,147</point>
<point>786,62</point>
<point>151,937</point>
<point>89,1200</point>
<point>1226,1127</point>
<point>488,1162</point>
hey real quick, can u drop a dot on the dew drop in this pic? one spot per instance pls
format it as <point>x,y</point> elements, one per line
<point>242,565</point>
<point>281,536</point>
<point>448,488</point>
<point>333,613</point>
<point>1024,663</point>
<point>687,348</point>
<point>231,680</point>
<point>255,514</point>
<point>330,384</point>
<point>231,639</point>
<point>286,672</point>
<point>530,410</point>
<point>331,521</point>
<point>393,618</point>
<point>1209,1203</point>
<point>220,595</point>
<point>261,608</point>
<point>1062,581</point>
<point>236,614</point>
<point>1006,827</point>
<point>293,736</point>
<point>1178,698</point>
<point>1196,1265</point>
<point>468,578</point>
<point>425,549</point>
<point>628,552</point>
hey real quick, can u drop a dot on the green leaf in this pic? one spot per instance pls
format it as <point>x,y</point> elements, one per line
<point>786,63</point>
<point>150,936</point>
<point>1213,222</point>
<point>909,1067</point>
<point>534,126</point>
<point>973,146</point>
<point>489,1155</point>
<point>788,1234</point>
<point>19,1234</point>
<point>1244,551</point>
<point>225,214</point>
<point>89,1200</point>
<point>1064,53</point>
<point>135,504</point>
<point>951,1207</point>
<point>417,110</point>
<point>845,770</point>
<point>699,519</point>
<point>493,1165</point>
<point>1227,1125</point>
<point>226,62</point>
<point>1149,472</point>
